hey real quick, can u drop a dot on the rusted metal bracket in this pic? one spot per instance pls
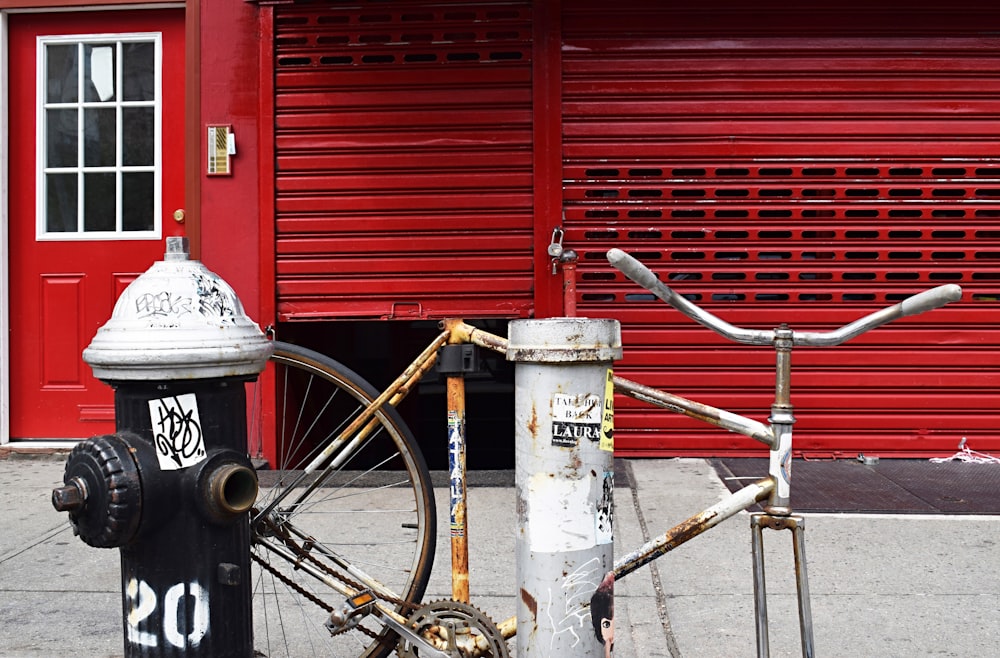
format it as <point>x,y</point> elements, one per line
<point>456,360</point>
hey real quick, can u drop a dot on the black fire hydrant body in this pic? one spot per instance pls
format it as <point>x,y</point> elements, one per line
<point>173,486</point>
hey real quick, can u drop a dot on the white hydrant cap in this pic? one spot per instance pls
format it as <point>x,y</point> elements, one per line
<point>178,320</point>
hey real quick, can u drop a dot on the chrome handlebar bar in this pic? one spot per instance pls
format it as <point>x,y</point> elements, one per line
<point>919,303</point>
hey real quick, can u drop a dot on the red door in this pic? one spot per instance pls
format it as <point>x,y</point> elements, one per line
<point>96,171</point>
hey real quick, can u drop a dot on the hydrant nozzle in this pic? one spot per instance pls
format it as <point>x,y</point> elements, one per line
<point>232,490</point>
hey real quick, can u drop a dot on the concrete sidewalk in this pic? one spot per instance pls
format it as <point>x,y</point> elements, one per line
<point>881,585</point>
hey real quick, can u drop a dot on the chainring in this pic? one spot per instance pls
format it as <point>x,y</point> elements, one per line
<point>475,635</point>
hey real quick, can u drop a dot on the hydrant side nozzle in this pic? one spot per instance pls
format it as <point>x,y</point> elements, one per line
<point>234,488</point>
<point>227,488</point>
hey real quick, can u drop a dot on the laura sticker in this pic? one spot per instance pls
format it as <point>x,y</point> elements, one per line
<point>575,417</point>
<point>177,431</point>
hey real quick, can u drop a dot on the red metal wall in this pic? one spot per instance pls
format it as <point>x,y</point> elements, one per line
<point>792,163</point>
<point>403,146</point>
<point>774,161</point>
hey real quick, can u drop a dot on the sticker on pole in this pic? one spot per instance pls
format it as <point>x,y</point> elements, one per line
<point>456,469</point>
<point>605,532</point>
<point>607,441</point>
<point>177,431</point>
<point>575,417</point>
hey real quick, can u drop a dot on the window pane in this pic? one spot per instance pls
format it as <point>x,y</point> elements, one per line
<point>112,89</point>
<point>61,74</point>
<point>137,201</point>
<point>60,203</point>
<point>60,138</point>
<point>139,82</point>
<point>99,202</point>
<point>100,137</point>
<point>137,136</point>
<point>99,72</point>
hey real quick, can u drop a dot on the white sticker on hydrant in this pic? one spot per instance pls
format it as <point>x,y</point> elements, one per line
<point>177,431</point>
<point>575,417</point>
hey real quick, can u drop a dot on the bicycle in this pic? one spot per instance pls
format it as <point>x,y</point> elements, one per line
<point>344,455</point>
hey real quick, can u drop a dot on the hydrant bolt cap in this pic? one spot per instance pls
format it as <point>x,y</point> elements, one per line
<point>176,321</point>
<point>70,497</point>
<point>106,478</point>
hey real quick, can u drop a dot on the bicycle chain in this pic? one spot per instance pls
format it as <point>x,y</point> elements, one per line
<point>290,583</point>
<point>304,554</point>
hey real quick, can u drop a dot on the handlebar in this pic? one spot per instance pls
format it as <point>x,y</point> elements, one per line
<point>919,303</point>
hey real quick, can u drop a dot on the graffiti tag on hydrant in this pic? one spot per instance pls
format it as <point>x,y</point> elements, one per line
<point>177,431</point>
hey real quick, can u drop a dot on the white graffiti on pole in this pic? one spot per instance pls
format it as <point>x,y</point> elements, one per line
<point>574,617</point>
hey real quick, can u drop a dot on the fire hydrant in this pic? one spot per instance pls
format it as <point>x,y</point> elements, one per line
<point>172,487</point>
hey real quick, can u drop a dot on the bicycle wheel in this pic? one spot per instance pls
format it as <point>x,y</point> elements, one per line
<point>370,518</point>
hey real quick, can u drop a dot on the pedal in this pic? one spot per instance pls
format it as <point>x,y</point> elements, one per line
<point>350,614</point>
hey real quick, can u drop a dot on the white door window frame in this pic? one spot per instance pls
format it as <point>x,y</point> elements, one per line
<point>80,172</point>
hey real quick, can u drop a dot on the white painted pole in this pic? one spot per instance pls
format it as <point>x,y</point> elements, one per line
<point>564,475</point>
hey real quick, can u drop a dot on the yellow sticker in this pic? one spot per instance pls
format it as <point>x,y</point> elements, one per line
<point>608,419</point>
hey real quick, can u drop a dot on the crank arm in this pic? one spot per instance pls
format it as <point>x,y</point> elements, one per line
<point>426,649</point>
<point>364,603</point>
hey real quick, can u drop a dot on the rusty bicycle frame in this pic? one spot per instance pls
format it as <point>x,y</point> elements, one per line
<point>773,490</point>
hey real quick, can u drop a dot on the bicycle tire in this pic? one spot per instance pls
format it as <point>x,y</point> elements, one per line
<point>384,491</point>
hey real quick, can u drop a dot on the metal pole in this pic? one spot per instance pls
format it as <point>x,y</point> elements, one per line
<point>693,526</point>
<point>802,585</point>
<point>568,260</point>
<point>781,421</point>
<point>457,488</point>
<point>564,475</point>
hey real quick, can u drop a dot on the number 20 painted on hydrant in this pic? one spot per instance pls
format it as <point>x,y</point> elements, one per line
<point>142,608</point>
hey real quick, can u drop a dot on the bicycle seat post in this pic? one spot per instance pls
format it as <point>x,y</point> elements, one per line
<point>781,421</point>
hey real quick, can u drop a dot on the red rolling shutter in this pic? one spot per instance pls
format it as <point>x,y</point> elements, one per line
<point>403,159</point>
<point>792,163</point>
